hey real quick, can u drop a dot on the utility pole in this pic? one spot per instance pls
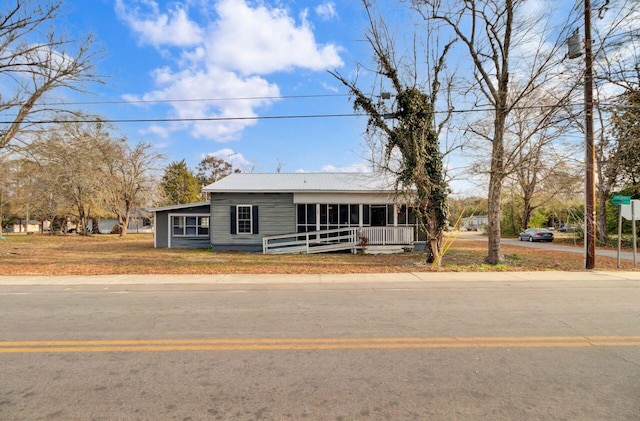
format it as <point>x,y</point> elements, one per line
<point>590,190</point>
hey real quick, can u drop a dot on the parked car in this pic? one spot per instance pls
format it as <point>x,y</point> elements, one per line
<point>568,228</point>
<point>536,234</point>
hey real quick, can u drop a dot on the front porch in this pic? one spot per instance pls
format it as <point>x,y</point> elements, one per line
<point>368,239</point>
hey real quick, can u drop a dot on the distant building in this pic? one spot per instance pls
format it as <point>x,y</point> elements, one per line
<point>474,223</point>
<point>23,226</point>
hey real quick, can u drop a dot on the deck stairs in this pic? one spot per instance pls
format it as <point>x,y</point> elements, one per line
<point>347,238</point>
<point>312,242</point>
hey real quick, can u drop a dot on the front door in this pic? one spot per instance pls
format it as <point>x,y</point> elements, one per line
<point>378,216</point>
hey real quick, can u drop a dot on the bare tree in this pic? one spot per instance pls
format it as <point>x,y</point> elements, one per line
<point>535,153</point>
<point>80,170</point>
<point>36,61</point>
<point>212,169</point>
<point>4,190</point>
<point>128,179</point>
<point>66,155</point>
<point>490,32</point>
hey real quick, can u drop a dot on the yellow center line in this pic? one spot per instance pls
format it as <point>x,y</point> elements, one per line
<point>294,344</point>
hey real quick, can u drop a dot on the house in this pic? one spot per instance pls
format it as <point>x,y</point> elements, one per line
<point>137,224</point>
<point>23,226</point>
<point>475,223</point>
<point>299,212</point>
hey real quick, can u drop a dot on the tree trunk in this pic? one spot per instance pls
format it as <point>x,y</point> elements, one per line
<point>494,255</point>
<point>601,222</point>
<point>526,214</point>
<point>122,226</point>
<point>95,225</point>
<point>434,250</point>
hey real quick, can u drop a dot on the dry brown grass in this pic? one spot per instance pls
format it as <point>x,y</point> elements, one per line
<point>134,254</point>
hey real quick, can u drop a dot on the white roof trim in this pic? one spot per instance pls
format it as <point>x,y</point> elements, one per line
<point>181,206</point>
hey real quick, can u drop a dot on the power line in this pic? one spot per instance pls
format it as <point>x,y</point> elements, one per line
<point>182,119</point>
<point>479,108</point>
<point>161,101</point>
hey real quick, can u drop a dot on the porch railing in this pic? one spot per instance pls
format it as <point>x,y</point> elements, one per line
<point>382,236</point>
<point>348,238</point>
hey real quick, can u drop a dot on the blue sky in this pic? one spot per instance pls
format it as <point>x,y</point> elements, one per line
<point>251,64</point>
<point>250,59</point>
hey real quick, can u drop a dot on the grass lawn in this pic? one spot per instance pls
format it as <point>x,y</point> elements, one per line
<point>104,254</point>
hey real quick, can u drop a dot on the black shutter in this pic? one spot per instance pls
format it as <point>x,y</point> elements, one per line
<point>233,219</point>
<point>254,216</point>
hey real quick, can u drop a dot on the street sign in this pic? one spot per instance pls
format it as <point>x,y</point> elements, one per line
<point>630,210</point>
<point>621,200</point>
<point>625,210</point>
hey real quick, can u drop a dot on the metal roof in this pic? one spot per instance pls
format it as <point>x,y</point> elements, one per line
<point>303,182</point>
<point>180,206</point>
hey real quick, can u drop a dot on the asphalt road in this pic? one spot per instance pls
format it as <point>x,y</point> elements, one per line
<point>438,350</point>
<point>624,255</point>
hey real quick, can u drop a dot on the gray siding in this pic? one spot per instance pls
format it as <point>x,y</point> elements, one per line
<point>190,243</point>
<point>161,233</point>
<point>162,230</point>
<point>276,215</point>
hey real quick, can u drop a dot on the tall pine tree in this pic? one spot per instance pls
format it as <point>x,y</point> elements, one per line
<point>179,185</point>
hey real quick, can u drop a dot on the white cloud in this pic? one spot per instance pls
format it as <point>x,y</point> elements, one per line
<point>159,131</point>
<point>359,167</point>
<point>172,28</point>
<point>327,11</point>
<point>225,61</point>
<point>329,87</point>
<point>214,85</point>
<point>264,40</point>
<point>236,159</point>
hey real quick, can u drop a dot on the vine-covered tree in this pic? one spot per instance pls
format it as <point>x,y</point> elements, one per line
<point>413,138</point>
<point>179,185</point>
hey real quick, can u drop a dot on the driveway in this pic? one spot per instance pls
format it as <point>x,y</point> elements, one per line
<point>624,255</point>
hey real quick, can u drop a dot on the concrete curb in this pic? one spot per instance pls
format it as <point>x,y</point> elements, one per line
<point>322,278</point>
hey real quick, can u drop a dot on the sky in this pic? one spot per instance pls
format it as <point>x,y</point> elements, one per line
<point>246,80</point>
<point>236,59</point>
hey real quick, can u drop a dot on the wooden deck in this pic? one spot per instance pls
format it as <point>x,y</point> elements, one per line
<point>349,238</point>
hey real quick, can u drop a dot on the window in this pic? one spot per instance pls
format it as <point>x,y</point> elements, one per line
<point>313,217</point>
<point>333,214</point>
<point>306,217</point>
<point>244,219</point>
<point>190,226</point>
<point>402,215</point>
<point>354,215</point>
<point>344,215</point>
